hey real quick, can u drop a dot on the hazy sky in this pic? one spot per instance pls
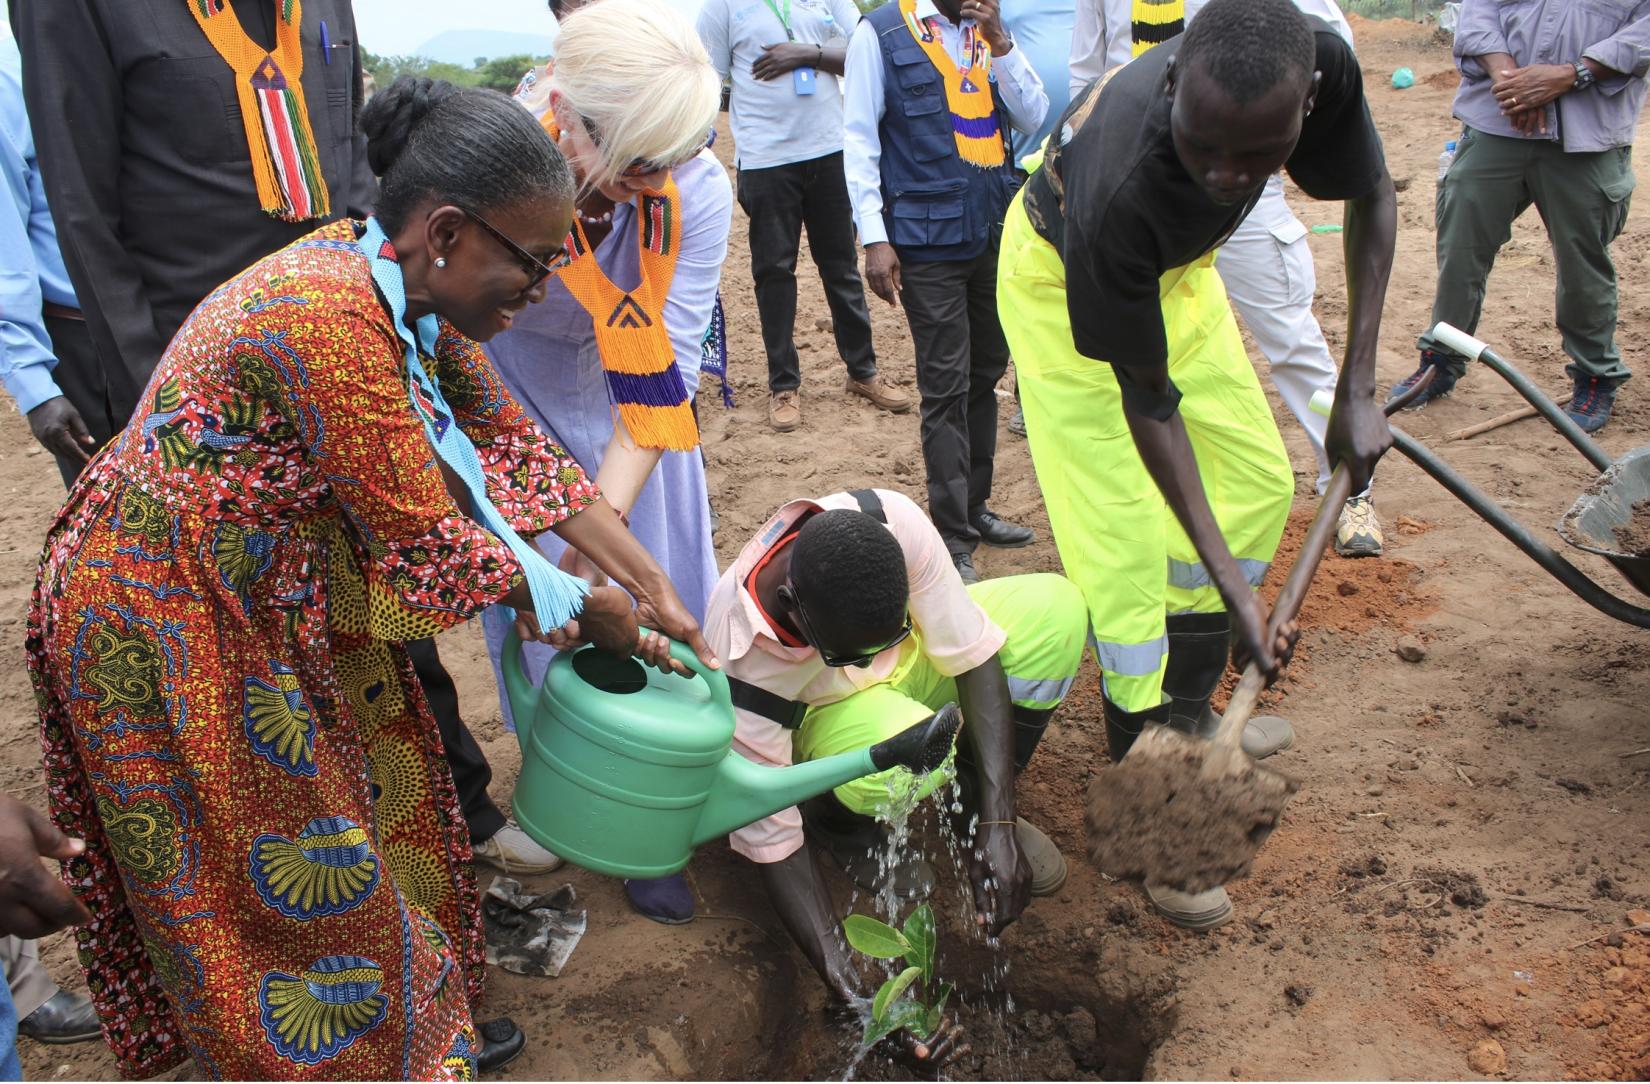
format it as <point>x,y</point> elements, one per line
<point>401,26</point>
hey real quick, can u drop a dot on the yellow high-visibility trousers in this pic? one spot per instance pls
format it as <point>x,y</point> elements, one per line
<point>1119,540</point>
<point>1044,619</point>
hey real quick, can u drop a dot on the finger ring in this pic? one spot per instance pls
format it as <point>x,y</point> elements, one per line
<point>1515,101</point>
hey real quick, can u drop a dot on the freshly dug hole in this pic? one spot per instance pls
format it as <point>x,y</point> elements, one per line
<point>1182,813</point>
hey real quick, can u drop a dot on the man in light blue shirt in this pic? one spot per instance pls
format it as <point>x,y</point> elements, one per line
<point>1042,29</point>
<point>785,59</point>
<point>47,361</point>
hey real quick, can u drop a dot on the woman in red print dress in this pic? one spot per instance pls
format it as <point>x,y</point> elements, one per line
<point>276,865</point>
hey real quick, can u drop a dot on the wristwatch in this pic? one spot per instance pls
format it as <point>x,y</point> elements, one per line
<point>1584,77</point>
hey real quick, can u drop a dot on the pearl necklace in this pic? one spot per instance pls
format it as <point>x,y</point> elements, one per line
<point>603,219</point>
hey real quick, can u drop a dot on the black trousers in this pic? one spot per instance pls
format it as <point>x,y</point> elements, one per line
<point>780,200</point>
<point>471,773</point>
<point>79,375</point>
<point>961,354</point>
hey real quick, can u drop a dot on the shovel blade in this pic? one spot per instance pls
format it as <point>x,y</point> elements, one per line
<point>1182,812</point>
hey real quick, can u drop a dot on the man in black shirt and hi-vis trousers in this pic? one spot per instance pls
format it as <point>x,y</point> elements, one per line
<point>1166,481</point>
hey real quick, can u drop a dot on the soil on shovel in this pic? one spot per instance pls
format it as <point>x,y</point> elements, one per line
<point>1634,536</point>
<point>1178,818</point>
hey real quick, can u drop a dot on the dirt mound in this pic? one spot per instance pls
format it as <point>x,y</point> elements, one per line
<point>1634,536</point>
<point>1610,1006</point>
<point>1182,813</point>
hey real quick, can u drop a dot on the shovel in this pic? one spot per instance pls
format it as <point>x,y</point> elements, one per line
<point>1191,814</point>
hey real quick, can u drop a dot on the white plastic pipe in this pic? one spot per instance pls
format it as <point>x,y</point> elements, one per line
<point>1459,341</point>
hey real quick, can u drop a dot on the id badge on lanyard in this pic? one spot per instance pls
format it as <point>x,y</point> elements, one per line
<point>802,79</point>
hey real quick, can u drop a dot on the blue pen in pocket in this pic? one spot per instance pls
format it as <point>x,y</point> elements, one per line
<point>326,43</point>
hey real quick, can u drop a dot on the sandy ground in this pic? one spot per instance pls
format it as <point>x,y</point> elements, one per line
<point>1440,899</point>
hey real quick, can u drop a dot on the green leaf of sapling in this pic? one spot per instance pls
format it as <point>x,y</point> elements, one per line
<point>892,990</point>
<point>919,933</point>
<point>875,939</point>
<point>910,1016</point>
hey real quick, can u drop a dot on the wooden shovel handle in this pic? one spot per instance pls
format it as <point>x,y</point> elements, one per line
<point>1249,687</point>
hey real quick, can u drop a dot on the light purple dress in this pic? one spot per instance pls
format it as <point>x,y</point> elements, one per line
<point>549,361</point>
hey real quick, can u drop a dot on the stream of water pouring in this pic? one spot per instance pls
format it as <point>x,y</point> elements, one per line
<point>894,852</point>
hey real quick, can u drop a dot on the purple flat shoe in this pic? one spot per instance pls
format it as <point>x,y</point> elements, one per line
<point>666,899</point>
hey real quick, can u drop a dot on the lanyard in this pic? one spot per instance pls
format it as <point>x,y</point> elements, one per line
<point>784,17</point>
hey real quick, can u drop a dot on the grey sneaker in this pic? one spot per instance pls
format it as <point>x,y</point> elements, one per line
<point>1191,910</point>
<point>1358,534</point>
<point>1048,865</point>
<point>513,851</point>
<point>1265,735</point>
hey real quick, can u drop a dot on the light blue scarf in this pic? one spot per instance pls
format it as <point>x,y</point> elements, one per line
<point>557,597</point>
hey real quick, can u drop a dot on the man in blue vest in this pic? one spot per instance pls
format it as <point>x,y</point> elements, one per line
<point>932,88</point>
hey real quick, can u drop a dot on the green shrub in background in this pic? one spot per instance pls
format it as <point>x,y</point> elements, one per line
<point>501,73</point>
<point>1393,9</point>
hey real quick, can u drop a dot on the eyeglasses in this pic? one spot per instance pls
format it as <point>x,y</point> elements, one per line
<point>788,595</point>
<point>641,167</point>
<point>537,270</point>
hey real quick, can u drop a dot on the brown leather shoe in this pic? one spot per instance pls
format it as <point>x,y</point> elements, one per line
<point>785,411</point>
<point>879,391</point>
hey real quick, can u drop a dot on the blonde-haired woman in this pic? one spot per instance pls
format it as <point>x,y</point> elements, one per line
<point>609,360</point>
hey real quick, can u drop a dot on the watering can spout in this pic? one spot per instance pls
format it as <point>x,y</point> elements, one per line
<point>745,791</point>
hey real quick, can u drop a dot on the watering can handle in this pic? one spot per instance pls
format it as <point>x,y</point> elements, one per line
<point>716,679</point>
<point>520,690</point>
<point>516,686</point>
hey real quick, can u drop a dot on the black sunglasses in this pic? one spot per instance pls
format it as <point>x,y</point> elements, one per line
<point>536,269</point>
<point>641,167</point>
<point>788,595</point>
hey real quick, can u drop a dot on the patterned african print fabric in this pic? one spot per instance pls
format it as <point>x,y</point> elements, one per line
<point>713,351</point>
<point>277,867</point>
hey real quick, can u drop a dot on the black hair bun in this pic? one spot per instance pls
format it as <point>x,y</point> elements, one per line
<point>389,119</point>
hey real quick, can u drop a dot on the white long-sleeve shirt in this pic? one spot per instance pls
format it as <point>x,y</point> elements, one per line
<point>863,102</point>
<point>1102,39</point>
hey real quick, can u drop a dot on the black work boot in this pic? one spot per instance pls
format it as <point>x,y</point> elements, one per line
<point>1029,726</point>
<point>1122,727</point>
<point>1042,855</point>
<point>857,843</point>
<point>1199,645</point>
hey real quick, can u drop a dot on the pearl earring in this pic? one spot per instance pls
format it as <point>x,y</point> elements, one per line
<point>441,261</point>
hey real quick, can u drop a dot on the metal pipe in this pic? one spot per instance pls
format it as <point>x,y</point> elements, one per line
<point>1516,533</point>
<point>1548,409</point>
<point>1475,349</point>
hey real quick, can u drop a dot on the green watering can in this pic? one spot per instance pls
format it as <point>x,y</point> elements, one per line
<point>624,770</point>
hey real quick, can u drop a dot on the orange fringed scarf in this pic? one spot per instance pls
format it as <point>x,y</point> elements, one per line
<point>973,111</point>
<point>285,164</point>
<point>631,338</point>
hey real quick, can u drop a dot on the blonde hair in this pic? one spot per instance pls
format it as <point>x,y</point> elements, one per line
<point>637,71</point>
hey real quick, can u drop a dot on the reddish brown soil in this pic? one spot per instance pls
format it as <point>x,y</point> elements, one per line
<point>1512,756</point>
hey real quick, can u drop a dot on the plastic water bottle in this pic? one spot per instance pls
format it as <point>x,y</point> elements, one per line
<point>1445,159</point>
